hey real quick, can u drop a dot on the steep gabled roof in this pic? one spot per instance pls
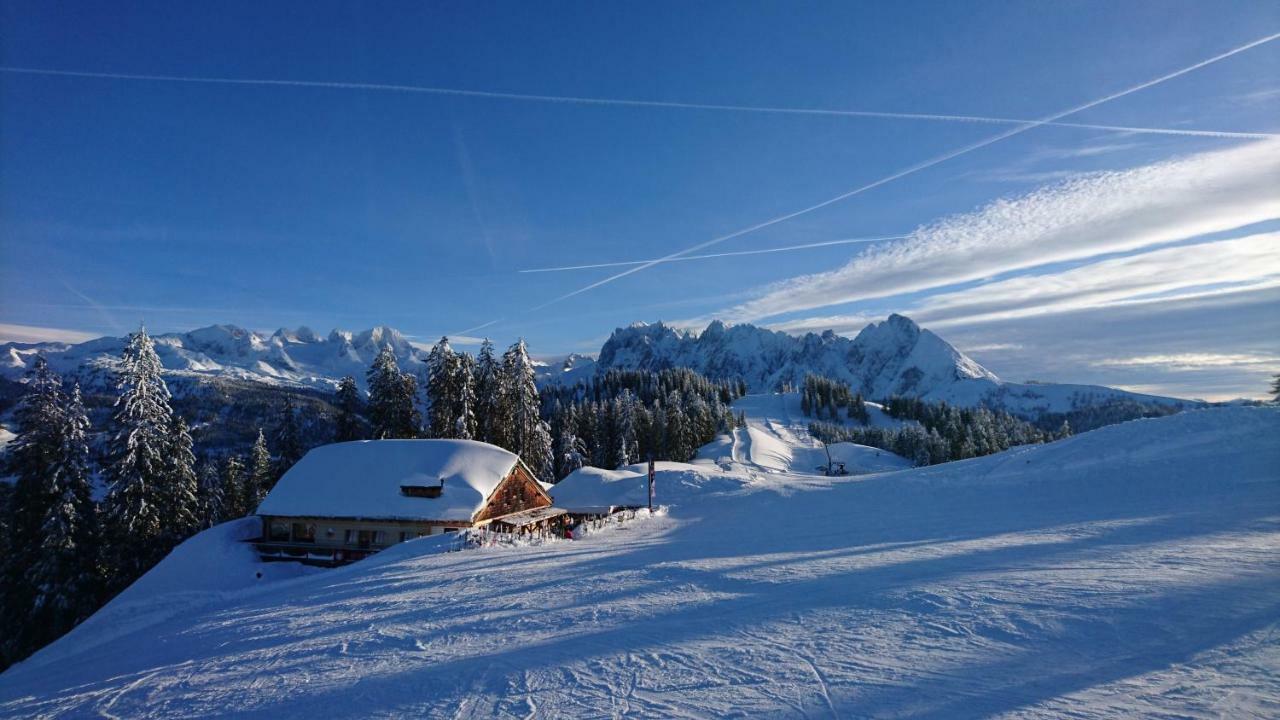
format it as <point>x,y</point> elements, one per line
<point>363,479</point>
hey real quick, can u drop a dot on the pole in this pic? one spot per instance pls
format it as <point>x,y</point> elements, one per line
<point>651,475</point>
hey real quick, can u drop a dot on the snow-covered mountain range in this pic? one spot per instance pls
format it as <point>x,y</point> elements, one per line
<point>895,356</point>
<point>286,357</point>
<point>892,357</point>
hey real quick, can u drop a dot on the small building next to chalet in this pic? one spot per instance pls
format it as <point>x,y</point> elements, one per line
<point>344,501</point>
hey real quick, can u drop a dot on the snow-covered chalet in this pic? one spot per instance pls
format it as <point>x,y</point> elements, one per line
<point>344,501</point>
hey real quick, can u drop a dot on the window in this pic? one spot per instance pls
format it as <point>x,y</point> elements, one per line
<point>304,532</point>
<point>379,538</point>
<point>279,531</point>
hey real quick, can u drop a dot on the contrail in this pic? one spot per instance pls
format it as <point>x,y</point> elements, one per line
<point>936,160</point>
<point>763,251</point>
<point>624,102</point>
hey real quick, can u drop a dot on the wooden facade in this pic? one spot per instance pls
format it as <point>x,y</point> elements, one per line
<point>340,540</point>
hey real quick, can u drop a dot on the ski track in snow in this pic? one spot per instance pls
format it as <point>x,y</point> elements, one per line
<point>1132,571</point>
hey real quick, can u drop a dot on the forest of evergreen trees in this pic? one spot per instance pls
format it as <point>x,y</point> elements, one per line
<point>940,432</point>
<point>626,416</point>
<point>64,554</point>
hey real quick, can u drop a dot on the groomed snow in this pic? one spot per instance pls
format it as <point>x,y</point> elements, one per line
<point>362,479</point>
<point>1133,571</point>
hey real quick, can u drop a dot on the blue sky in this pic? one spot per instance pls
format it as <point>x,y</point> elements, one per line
<point>268,205</point>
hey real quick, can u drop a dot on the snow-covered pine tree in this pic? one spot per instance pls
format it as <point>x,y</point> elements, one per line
<point>261,477</point>
<point>288,438</point>
<point>677,443</point>
<point>32,461</point>
<point>487,373</point>
<point>624,421</point>
<point>233,487</point>
<point>64,577</point>
<point>212,504</point>
<point>441,394</point>
<point>464,410</point>
<point>519,407</point>
<point>181,505</point>
<point>348,425</point>
<point>138,467</point>
<point>392,396</point>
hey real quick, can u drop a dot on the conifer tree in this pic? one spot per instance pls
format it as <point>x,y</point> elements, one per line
<point>348,425</point>
<point>288,438</point>
<point>139,469</point>
<point>392,409</point>
<point>213,506</point>
<point>261,477</point>
<point>1275,388</point>
<point>33,461</point>
<point>233,489</point>
<point>179,493</point>
<point>464,411</point>
<point>487,372</point>
<point>64,576</point>
<point>441,390</point>
<point>518,409</point>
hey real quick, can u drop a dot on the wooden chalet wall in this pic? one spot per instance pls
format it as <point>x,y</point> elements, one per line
<point>518,491</point>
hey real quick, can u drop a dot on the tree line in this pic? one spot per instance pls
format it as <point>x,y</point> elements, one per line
<point>626,416</point>
<point>937,432</point>
<point>823,397</point>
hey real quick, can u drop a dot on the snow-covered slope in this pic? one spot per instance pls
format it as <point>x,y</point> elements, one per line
<point>893,357</point>
<point>289,357</point>
<point>1133,571</point>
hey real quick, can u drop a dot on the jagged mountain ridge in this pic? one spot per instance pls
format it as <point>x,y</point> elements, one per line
<point>286,357</point>
<point>892,357</point>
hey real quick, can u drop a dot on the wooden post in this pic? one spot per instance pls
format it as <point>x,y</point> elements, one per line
<point>651,476</point>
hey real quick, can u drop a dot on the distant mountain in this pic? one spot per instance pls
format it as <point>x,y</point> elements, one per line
<point>298,358</point>
<point>893,357</point>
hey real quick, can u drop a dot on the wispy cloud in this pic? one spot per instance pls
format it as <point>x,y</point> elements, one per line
<point>1078,219</point>
<point>1192,361</point>
<point>34,334</point>
<point>1250,262</point>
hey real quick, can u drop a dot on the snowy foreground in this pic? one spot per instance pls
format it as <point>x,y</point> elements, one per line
<point>1130,571</point>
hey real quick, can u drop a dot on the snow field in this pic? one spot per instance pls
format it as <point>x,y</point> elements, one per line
<point>1130,571</point>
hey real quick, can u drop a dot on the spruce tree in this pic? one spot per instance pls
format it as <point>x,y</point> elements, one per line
<point>233,489</point>
<point>179,494</point>
<point>348,425</point>
<point>138,468</point>
<point>288,438</point>
<point>441,393</point>
<point>64,577</point>
<point>33,462</point>
<point>464,409</point>
<point>392,394</point>
<point>213,506</point>
<point>518,410</point>
<point>487,373</point>
<point>1275,388</point>
<point>261,477</point>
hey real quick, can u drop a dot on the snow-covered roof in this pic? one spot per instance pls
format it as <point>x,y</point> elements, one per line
<point>363,479</point>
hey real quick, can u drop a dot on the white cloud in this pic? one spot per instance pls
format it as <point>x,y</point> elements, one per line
<point>1192,361</point>
<point>1181,272</point>
<point>34,334</point>
<point>1096,214</point>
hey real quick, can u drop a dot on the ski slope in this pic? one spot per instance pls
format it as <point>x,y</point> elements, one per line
<point>1130,571</point>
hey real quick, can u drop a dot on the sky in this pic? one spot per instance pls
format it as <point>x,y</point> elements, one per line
<point>432,166</point>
